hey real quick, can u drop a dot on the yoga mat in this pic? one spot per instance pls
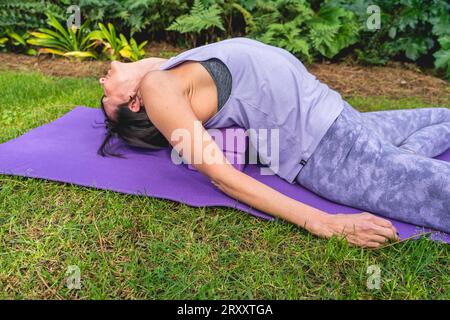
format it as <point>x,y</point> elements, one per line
<point>65,150</point>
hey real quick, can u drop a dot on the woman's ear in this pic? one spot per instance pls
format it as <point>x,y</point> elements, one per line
<point>135,103</point>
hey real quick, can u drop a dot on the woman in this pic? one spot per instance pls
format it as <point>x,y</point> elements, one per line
<point>378,161</point>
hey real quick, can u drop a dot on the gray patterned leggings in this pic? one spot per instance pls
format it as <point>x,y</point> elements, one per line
<point>380,162</point>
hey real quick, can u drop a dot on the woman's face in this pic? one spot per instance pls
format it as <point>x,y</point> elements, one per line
<point>116,87</point>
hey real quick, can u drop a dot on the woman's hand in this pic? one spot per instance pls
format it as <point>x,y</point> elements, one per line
<point>363,229</point>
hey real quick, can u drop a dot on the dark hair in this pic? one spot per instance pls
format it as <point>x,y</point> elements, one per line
<point>135,128</point>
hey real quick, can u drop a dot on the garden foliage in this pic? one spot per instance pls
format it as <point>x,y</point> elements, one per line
<point>410,30</point>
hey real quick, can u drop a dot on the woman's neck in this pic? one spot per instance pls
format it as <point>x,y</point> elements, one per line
<point>137,70</point>
<point>149,64</point>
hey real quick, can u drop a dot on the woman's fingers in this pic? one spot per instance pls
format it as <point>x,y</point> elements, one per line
<point>384,227</point>
<point>379,239</point>
<point>382,222</point>
<point>373,245</point>
<point>367,243</point>
<point>364,230</point>
<point>387,233</point>
<point>365,238</point>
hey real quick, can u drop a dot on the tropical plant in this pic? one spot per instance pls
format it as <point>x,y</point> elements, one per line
<point>3,42</point>
<point>131,50</point>
<point>68,42</point>
<point>107,37</point>
<point>18,42</point>
<point>199,19</point>
<point>117,47</point>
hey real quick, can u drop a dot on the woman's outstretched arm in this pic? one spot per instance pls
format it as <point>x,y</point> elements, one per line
<point>359,229</point>
<point>169,109</point>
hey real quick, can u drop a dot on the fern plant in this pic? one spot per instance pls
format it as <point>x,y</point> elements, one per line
<point>152,16</point>
<point>288,36</point>
<point>332,29</point>
<point>68,42</point>
<point>294,26</point>
<point>199,19</point>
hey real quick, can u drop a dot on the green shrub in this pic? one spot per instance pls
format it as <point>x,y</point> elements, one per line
<point>233,10</point>
<point>24,15</point>
<point>411,30</point>
<point>147,17</point>
<point>443,55</point>
<point>414,30</point>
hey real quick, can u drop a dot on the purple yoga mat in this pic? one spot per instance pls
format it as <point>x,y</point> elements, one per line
<point>66,150</point>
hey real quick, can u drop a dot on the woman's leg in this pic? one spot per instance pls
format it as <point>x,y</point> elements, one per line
<point>424,131</point>
<point>355,166</point>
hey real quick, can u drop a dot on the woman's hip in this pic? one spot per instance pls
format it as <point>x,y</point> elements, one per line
<point>334,146</point>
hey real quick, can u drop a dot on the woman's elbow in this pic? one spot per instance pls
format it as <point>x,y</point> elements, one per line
<point>221,185</point>
<point>224,177</point>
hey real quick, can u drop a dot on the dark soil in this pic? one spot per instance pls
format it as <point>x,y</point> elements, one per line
<point>394,81</point>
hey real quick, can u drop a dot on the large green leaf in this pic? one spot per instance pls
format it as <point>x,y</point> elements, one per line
<point>17,37</point>
<point>55,24</point>
<point>52,51</point>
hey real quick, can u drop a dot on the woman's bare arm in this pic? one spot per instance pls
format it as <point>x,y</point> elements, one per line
<point>169,109</point>
<point>256,194</point>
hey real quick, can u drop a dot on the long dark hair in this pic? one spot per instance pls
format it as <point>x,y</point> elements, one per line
<point>135,128</point>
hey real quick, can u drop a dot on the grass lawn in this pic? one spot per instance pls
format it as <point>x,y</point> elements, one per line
<point>138,247</point>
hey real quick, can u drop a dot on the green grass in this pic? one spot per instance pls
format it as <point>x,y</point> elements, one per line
<point>138,247</point>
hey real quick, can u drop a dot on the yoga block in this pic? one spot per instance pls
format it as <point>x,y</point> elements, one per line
<point>233,143</point>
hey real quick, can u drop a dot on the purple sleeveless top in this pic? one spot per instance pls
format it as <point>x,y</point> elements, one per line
<point>271,89</point>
